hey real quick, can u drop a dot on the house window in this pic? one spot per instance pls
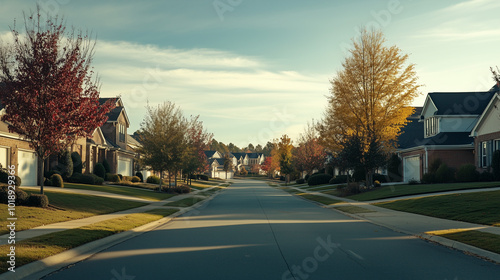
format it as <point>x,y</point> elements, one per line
<point>121,132</point>
<point>431,126</point>
<point>484,154</point>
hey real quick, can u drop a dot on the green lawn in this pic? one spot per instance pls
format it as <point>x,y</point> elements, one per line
<point>479,208</point>
<point>65,207</point>
<point>483,240</point>
<point>401,190</point>
<point>50,244</point>
<point>353,209</point>
<point>129,191</point>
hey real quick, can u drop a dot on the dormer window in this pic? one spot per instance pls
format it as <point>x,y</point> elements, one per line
<point>431,126</point>
<point>121,135</point>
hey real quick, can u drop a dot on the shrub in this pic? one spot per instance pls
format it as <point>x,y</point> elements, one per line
<point>467,173</point>
<point>413,182</point>
<point>97,180</point>
<point>486,177</point>
<point>376,184</point>
<point>339,179</point>
<point>350,189</point>
<point>307,177</point>
<point>203,177</point>
<point>49,174</point>
<point>106,166</point>
<point>379,177</point>
<point>359,174</point>
<point>319,179</point>
<point>126,178</point>
<point>57,181</point>
<point>99,170</point>
<point>90,179</point>
<point>65,164</point>
<point>300,181</point>
<point>435,164</point>
<point>77,162</point>
<point>47,182</point>
<point>153,180</point>
<point>495,165</point>
<point>394,168</point>
<point>4,178</point>
<point>75,178</point>
<point>444,174</point>
<point>180,189</point>
<point>135,179</point>
<point>121,176</point>
<point>113,178</point>
<point>243,172</point>
<point>141,177</point>
<point>429,178</point>
<point>38,200</point>
<point>21,197</point>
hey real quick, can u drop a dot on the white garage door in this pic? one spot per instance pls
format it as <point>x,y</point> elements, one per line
<point>4,157</point>
<point>412,168</point>
<point>27,168</point>
<point>125,166</point>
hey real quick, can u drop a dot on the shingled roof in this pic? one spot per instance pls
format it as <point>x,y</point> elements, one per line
<point>461,103</point>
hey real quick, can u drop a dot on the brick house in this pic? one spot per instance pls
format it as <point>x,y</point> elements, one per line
<point>441,129</point>
<point>486,134</point>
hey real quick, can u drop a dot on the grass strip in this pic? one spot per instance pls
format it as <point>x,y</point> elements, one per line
<point>186,202</point>
<point>44,246</point>
<point>354,209</point>
<point>483,240</point>
<point>479,208</point>
<point>402,190</point>
<point>129,191</point>
<point>321,199</point>
<point>64,207</point>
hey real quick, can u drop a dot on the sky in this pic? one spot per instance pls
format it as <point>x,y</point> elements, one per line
<point>255,70</point>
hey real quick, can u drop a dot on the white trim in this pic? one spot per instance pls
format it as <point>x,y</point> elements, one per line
<point>473,132</point>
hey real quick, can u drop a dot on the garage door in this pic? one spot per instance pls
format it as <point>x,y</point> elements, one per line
<point>412,168</point>
<point>125,166</point>
<point>27,168</point>
<point>4,157</point>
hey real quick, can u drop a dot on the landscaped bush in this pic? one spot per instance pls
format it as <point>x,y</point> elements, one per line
<point>180,189</point>
<point>300,181</point>
<point>47,182</point>
<point>486,177</point>
<point>105,163</point>
<point>495,165</point>
<point>135,179</point>
<point>394,168</point>
<point>121,177</point>
<point>57,181</point>
<point>339,179</point>
<point>4,178</point>
<point>153,180</point>
<point>38,200</point>
<point>49,174</point>
<point>351,189</point>
<point>379,177</point>
<point>467,173</point>
<point>90,179</point>
<point>21,197</point>
<point>318,179</point>
<point>141,177</point>
<point>359,174</point>
<point>307,177</point>
<point>77,162</point>
<point>65,165</point>
<point>429,178</point>
<point>113,178</point>
<point>444,174</point>
<point>99,170</point>
<point>203,177</point>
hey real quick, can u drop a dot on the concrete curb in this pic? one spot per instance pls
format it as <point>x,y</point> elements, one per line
<point>49,265</point>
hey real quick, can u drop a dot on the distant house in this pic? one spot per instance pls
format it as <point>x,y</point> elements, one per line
<point>247,160</point>
<point>441,131</point>
<point>216,165</point>
<point>239,161</point>
<point>486,134</point>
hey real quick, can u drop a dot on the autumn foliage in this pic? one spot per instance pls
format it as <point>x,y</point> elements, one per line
<point>48,90</point>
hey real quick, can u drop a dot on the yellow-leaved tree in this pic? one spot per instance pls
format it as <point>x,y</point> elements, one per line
<point>370,98</point>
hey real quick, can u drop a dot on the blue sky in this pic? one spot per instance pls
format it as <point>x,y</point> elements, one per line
<point>253,69</point>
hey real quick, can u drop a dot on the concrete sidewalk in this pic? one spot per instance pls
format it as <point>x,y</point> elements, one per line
<point>56,227</point>
<point>418,225</point>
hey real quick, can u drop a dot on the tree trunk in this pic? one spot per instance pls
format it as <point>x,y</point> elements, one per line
<point>161,180</point>
<point>40,167</point>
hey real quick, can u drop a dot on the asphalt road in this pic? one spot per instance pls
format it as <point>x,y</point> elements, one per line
<point>252,231</point>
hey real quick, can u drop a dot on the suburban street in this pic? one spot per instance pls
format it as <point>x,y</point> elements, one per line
<point>253,231</point>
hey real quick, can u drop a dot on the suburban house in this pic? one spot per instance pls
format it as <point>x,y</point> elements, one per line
<point>111,142</point>
<point>216,165</point>
<point>247,160</point>
<point>486,134</point>
<point>441,129</point>
<point>239,161</point>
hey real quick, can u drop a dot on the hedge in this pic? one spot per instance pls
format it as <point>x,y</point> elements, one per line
<point>318,179</point>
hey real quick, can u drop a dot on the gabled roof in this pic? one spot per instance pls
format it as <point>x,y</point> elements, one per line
<point>220,161</point>
<point>132,141</point>
<point>440,139</point>
<point>253,155</point>
<point>115,113</point>
<point>412,132</point>
<point>460,103</point>
<point>485,114</point>
<point>210,154</point>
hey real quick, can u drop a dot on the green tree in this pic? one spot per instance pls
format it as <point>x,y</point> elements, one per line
<point>285,156</point>
<point>228,164</point>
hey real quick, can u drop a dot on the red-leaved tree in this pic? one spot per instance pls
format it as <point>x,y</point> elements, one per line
<point>49,94</point>
<point>309,154</point>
